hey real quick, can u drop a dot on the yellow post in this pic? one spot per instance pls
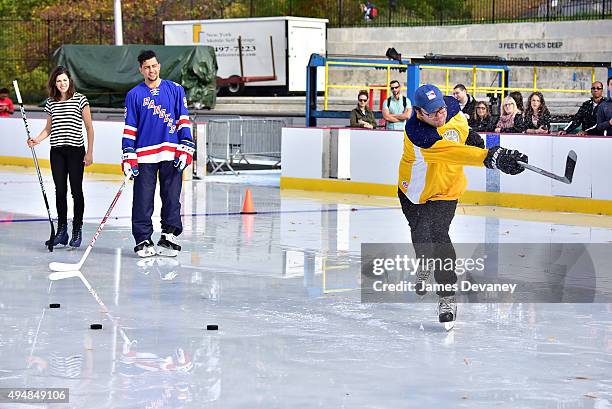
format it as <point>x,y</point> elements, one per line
<point>326,88</point>
<point>446,82</point>
<point>388,81</point>
<point>474,81</point>
<point>592,75</point>
<point>535,78</point>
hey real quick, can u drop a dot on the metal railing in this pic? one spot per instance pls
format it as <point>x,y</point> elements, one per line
<point>234,141</point>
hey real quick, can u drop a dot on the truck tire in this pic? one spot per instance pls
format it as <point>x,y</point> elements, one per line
<point>235,89</point>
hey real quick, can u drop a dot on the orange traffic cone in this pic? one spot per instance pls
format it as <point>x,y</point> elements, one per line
<point>247,207</point>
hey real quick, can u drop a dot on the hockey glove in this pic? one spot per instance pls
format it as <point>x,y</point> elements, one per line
<point>130,162</point>
<point>505,160</point>
<point>184,154</point>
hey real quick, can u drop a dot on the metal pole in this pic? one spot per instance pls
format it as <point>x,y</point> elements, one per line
<point>118,23</point>
<point>48,38</point>
<point>493,12</point>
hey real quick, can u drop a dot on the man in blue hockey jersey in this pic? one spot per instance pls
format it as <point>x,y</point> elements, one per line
<point>156,143</point>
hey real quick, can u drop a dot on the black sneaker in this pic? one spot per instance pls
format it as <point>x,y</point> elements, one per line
<point>145,248</point>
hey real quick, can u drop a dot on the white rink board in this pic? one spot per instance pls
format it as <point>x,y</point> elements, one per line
<point>375,155</point>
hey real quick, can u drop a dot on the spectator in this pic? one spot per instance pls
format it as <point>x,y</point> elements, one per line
<point>369,10</point>
<point>518,98</point>
<point>481,120</point>
<point>466,101</point>
<point>511,120</point>
<point>67,111</point>
<point>586,117</point>
<point>537,116</point>
<point>604,114</point>
<point>362,116</point>
<point>397,108</point>
<point>609,88</point>
<point>6,105</point>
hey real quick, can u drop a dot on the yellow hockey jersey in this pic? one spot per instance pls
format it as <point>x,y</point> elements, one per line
<point>431,167</point>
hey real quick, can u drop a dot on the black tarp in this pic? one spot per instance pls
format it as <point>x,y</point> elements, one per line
<point>105,73</point>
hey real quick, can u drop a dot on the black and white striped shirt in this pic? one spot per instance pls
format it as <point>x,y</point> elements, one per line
<point>67,120</point>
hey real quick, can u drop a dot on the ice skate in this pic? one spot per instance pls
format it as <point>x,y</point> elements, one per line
<point>145,248</point>
<point>61,236</point>
<point>422,278</point>
<point>447,311</point>
<point>168,245</point>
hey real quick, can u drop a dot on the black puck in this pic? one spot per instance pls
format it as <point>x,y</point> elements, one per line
<point>212,327</point>
<point>54,305</point>
<point>95,326</point>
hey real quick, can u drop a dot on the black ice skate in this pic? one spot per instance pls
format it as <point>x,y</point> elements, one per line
<point>422,278</point>
<point>145,248</point>
<point>168,245</point>
<point>447,311</point>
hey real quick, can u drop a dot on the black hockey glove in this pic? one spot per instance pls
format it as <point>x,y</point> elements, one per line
<point>505,160</point>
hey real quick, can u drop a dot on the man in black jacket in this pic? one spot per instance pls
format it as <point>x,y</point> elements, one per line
<point>586,117</point>
<point>604,118</point>
<point>466,101</point>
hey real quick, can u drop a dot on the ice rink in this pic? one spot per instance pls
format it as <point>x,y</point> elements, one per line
<point>282,286</point>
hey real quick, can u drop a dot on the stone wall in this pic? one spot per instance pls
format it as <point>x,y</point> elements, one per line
<point>550,41</point>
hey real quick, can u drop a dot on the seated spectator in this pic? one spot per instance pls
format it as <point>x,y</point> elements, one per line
<point>586,117</point>
<point>537,116</point>
<point>6,105</point>
<point>482,121</point>
<point>518,98</point>
<point>510,120</point>
<point>604,114</point>
<point>466,101</point>
<point>362,116</point>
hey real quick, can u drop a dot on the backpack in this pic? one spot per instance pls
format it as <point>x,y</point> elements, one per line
<point>373,12</point>
<point>403,99</point>
<point>382,121</point>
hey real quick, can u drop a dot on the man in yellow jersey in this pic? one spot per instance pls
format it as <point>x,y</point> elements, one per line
<point>437,144</point>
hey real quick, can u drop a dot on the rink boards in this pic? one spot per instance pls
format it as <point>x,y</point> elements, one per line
<point>366,162</point>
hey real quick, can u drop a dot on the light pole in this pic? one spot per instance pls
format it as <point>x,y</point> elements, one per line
<point>118,24</point>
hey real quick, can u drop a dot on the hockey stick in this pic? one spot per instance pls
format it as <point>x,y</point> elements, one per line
<point>570,165</point>
<point>40,180</point>
<point>55,266</point>
<point>61,275</point>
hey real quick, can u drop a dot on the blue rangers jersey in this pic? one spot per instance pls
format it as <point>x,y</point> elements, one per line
<point>156,121</point>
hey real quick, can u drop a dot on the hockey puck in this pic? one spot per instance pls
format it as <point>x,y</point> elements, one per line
<point>95,326</point>
<point>54,305</point>
<point>212,327</point>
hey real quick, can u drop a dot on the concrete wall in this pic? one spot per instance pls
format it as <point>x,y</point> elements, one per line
<point>557,41</point>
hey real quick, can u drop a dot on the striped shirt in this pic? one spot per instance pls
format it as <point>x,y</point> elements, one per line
<point>67,120</point>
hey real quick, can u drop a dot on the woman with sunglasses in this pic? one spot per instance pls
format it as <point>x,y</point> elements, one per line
<point>482,121</point>
<point>67,111</point>
<point>537,115</point>
<point>362,116</point>
<point>511,120</point>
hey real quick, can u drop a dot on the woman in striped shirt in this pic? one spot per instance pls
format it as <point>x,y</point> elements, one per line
<point>67,110</point>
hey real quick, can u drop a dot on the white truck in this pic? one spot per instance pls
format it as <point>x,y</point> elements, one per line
<point>272,55</point>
